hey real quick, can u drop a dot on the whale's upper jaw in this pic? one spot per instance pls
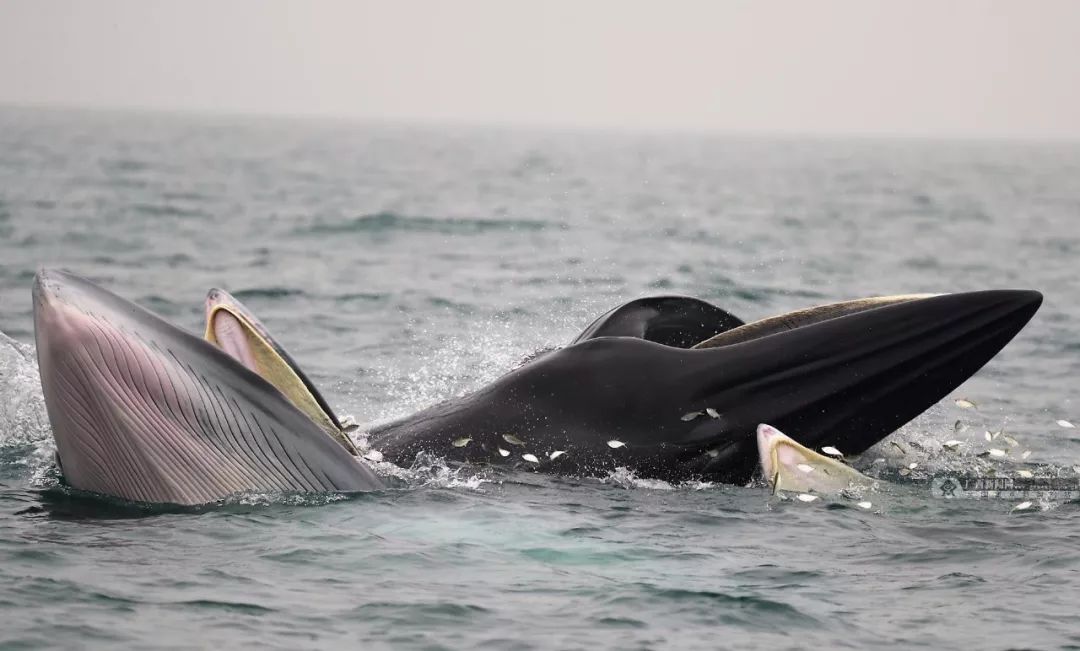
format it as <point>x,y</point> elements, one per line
<point>146,412</point>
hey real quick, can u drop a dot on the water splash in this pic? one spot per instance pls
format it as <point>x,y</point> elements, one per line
<point>625,478</point>
<point>938,442</point>
<point>23,420</point>
<point>427,470</point>
<point>24,424</point>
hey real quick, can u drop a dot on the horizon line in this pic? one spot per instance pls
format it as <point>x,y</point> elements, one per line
<point>554,126</point>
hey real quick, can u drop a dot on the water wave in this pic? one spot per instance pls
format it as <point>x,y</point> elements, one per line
<point>385,222</point>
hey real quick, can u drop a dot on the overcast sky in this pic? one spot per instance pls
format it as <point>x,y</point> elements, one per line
<point>937,67</point>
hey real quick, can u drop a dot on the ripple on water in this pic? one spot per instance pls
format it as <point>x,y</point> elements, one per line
<point>388,222</point>
<point>249,293</point>
<point>742,609</point>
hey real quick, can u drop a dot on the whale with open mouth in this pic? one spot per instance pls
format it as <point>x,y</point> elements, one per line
<point>670,387</point>
<point>144,411</point>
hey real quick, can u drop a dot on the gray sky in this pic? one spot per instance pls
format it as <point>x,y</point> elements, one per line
<point>940,67</point>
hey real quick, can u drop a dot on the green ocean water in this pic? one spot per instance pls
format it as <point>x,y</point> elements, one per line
<point>401,265</point>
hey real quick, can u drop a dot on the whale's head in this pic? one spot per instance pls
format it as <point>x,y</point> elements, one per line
<point>144,411</point>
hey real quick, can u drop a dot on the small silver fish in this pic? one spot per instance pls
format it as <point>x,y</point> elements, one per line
<point>615,445</point>
<point>865,505</point>
<point>805,497</point>
<point>964,403</point>
<point>690,416</point>
<point>348,423</point>
<point>556,454</point>
<point>530,458</point>
<point>1066,424</point>
<point>503,452</point>
<point>712,413</point>
<point>831,451</point>
<point>1022,506</point>
<point>996,453</point>
<point>461,442</point>
<point>951,444</point>
<point>513,440</point>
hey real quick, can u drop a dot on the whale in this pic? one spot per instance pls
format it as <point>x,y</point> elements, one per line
<point>145,412</point>
<point>674,388</point>
<point>669,387</point>
<point>844,375</point>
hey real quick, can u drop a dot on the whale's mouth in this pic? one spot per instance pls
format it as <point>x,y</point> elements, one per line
<point>845,381</point>
<point>143,411</point>
<point>233,328</point>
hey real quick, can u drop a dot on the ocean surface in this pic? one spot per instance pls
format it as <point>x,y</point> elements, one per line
<point>402,265</point>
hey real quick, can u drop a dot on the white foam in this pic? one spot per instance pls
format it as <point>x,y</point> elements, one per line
<point>431,471</point>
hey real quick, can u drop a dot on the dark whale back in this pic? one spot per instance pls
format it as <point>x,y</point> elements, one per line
<point>678,321</point>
